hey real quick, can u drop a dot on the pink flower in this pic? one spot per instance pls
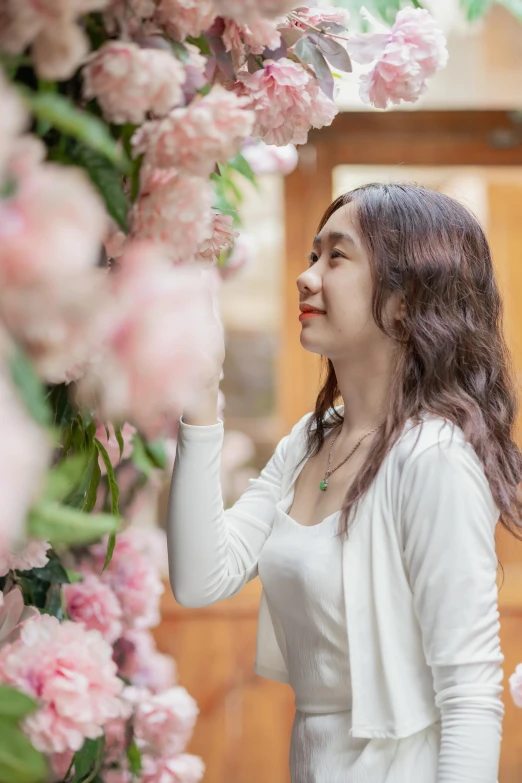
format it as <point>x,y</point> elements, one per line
<point>60,763</point>
<point>173,210</point>
<point>13,613</point>
<point>128,81</point>
<point>133,579</point>
<point>151,541</point>
<point>111,444</point>
<point>243,254</point>
<point>304,18</point>
<point>222,237</point>
<point>287,102</point>
<point>269,159</point>
<point>192,139</point>
<point>404,57</point>
<point>115,739</point>
<point>244,11</point>
<point>140,662</point>
<point>70,671</point>
<point>93,603</point>
<point>13,118</point>
<point>515,685</point>
<point>184,768</point>
<point>253,37</point>
<point>164,722</point>
<point>32,555</point>
<point>182,18</point>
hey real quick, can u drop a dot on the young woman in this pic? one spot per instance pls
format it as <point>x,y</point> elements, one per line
<point>372,527</point>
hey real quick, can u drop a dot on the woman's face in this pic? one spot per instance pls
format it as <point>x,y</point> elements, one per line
<point>338,281</point>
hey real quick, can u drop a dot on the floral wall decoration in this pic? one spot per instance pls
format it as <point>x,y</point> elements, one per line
<point>126,127</point>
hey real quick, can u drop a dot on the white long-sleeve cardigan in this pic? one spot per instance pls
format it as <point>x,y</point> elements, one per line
<point>419,571</point>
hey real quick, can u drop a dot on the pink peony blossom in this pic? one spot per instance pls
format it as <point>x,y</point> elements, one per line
<point>93,603</point>
<point>303,18</point>
<point>245,11</point>
<point>184,768</point>
<point>151,541</point>
<point>60,763</point>
<point>194,138</point>
<point>164,722</point>
<point>181,18</point>
<point>27,152</point>
<point>115,739</point>
<point>250,38</point>
<point>515,685</point>
<point>404,57</point>
<point>132,577</point>
<point>140,662</point>
<point>128,81</point>
<point>70,671</point>
<point>222,237</point>
<point>287,101</point>
<point>269,159</point>
<point>243,255</point>
<point>13,118</point>
<point>173,210</point>
<point>112,446</point>
<point>32,555</point>
<point>13,613</point>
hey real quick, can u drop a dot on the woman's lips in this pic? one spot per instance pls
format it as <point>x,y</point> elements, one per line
<point>305,315</point>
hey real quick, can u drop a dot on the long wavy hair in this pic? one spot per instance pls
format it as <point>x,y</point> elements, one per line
<point>452,358</point>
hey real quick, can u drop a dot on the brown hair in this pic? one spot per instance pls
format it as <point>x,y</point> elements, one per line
<point>453,360</point>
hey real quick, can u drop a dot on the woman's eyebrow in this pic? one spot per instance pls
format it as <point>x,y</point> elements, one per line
<point>334,236</point>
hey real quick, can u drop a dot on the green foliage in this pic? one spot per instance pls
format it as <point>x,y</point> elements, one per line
<point>66,525</point>
<point>107,178</point>
<point>29,386</point>
<point>19,761</point>
<point>87,761</point>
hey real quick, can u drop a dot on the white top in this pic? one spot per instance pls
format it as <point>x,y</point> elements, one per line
<point>419,580</point>
<point>301,571</point>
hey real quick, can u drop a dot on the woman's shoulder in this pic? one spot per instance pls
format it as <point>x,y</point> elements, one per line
<point>421,435</point>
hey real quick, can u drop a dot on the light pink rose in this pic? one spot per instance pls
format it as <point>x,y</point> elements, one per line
<point>222,237</point>
<point>287,101</point>
<point>132,577</point>
<point>194,138</point>
<point>244,11</point>
<point>159,341</point>
<point>164,722</point>
<point>70,671</point>
<point>181,18</point>
<point>140,662</point>
<point>515,685</point>
<point>31,555</point>
<point>184,768</point>
<point>173,210</point>
<point>93,603</point>
<point>128,81</point>
<point>112,446</point>
<point>304,18</point>
<point>404,57</point>
<point>13,613</point>
<point>269,159</point>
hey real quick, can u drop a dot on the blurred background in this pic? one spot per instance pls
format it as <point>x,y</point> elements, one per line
<point>464,137</point>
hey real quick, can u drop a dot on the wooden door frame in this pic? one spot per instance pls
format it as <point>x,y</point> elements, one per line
<point>409,138</point>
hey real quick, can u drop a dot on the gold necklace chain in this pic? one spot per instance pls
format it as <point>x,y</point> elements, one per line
<point>323,486</point>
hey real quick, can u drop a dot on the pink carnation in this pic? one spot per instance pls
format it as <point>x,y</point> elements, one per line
<point>287,101</point>
<point>140,662</point>
<point>164,722</point>
<point>269,159</point>
<point>111,444</point>
<point>70,671</point>
<point>93,603</point>
<point>13,613</point>
<point>245,11</point>
<point>303,17</point>
<point>192,139</point>
<point>222,237</point>
<point>182,18</point>
<point>32,555</point>
<point>128,81</point>
<point>252,38</point>
<point>173,210</point>
<point>404,57</point>
<point>184,768</point>
<point>133,578</point>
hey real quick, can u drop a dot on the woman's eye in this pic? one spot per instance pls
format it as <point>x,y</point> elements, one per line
<point>312,258</point>
<point>336,254</point>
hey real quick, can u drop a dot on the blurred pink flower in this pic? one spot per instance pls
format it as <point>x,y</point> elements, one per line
<point>31,555</point>
<point>115,739</point>
<point>287,102</point>
<point>132,577</point>
<point>195,66</point>
<point>304,18</point>
<point>194,138</point>
<point>183,768</point>
<point>60,764</point>
<point>243,255</point>
<point>404,57</point>
<point>70,671</point>
<point>174,210</point>
<point>222,237</point>
<point>159,341</point>
<point>128,81</point>
<point>93,603</point>
<point>245,11</point>
<point>140,662</point>
<point>27,152</point>
<point>250,38</point>
<point>182,18</point>
<point>111,444</point>
<point>515,685</point>
<point>13,118</point>
<point>151,542</point>
<point>13,613</point>
<point>269,159</point>
<point>164,722</point>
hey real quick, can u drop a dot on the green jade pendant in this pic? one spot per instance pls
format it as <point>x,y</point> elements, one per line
<point>323,486</point>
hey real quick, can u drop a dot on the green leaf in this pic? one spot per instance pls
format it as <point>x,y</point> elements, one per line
<point>309,53</point>
<point>241,164</point>
<point>92,490</point>
<point>19,761</point>
<point>53,602</point>
<point>88,760</point>
<point>63,115</point>
<point>111,543</point>
<point>119,438</point>
<point>201,43</point>
<point>139,457</point>
<point>14,704</point>
<point>52,572</point>
<point>157,453</point>
<point>30,387</point>
<point>474,9</point>
<point>65,476</point>
<point>111,478</point>
<point>107,179</point>
<point>73,576</point>
<point>134,756</point>
<point>515,6</point>
<point>66,525</point>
